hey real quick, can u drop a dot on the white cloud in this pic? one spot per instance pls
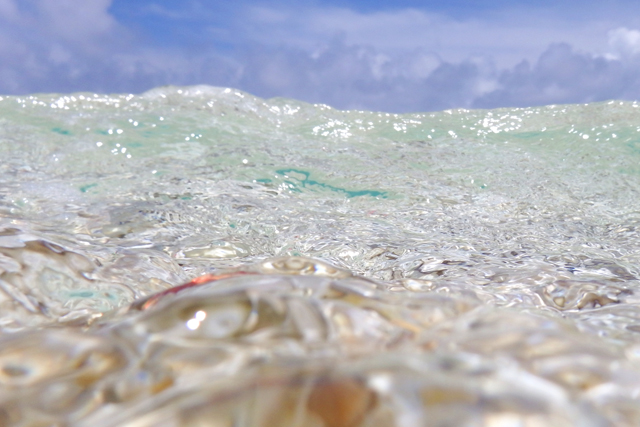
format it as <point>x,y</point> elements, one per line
<point>624,42</point>
<point>564,75</point>
<point>76,20</point>
<point>40,22</point>
<point>509,36</point>
<point>41,34</point>
<point>403,60</point>
<point>419,64</point>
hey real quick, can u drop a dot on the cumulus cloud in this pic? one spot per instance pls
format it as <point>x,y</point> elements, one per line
<point>564,75</point>
<point>362,77</point>
<point>624,42</point>
<point>76,45</point>
<point>398,60</point>
<point>509,36</point>
<point>50,40</point>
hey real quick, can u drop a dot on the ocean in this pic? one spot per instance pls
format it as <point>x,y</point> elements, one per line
<point>454,268</point>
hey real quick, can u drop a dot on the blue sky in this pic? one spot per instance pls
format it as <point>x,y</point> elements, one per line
<point>400,56</point>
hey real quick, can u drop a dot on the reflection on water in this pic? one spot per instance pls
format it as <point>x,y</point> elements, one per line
<point>198,256</point>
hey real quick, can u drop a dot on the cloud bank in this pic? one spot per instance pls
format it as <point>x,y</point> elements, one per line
<point>399,61</point>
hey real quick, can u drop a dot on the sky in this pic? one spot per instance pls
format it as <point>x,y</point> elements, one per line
<point>400,56</point>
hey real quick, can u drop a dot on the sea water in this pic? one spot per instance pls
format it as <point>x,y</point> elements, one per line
<point>457,268</point>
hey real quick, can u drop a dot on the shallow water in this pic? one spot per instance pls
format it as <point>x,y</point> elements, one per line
<point>486,263</point>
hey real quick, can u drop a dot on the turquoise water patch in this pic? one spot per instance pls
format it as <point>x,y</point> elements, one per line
<point>81,294</point>
<point>304,182</point>
<point>635,146</point>
<point>85,188</point>
<point>61,131</point>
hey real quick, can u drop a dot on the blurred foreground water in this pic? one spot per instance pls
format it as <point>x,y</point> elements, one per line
<point>461,268</point>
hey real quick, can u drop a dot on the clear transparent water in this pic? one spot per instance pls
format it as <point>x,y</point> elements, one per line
<point>494,257</point>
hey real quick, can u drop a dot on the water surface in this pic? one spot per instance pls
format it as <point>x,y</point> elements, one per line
<point>487,262</point>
